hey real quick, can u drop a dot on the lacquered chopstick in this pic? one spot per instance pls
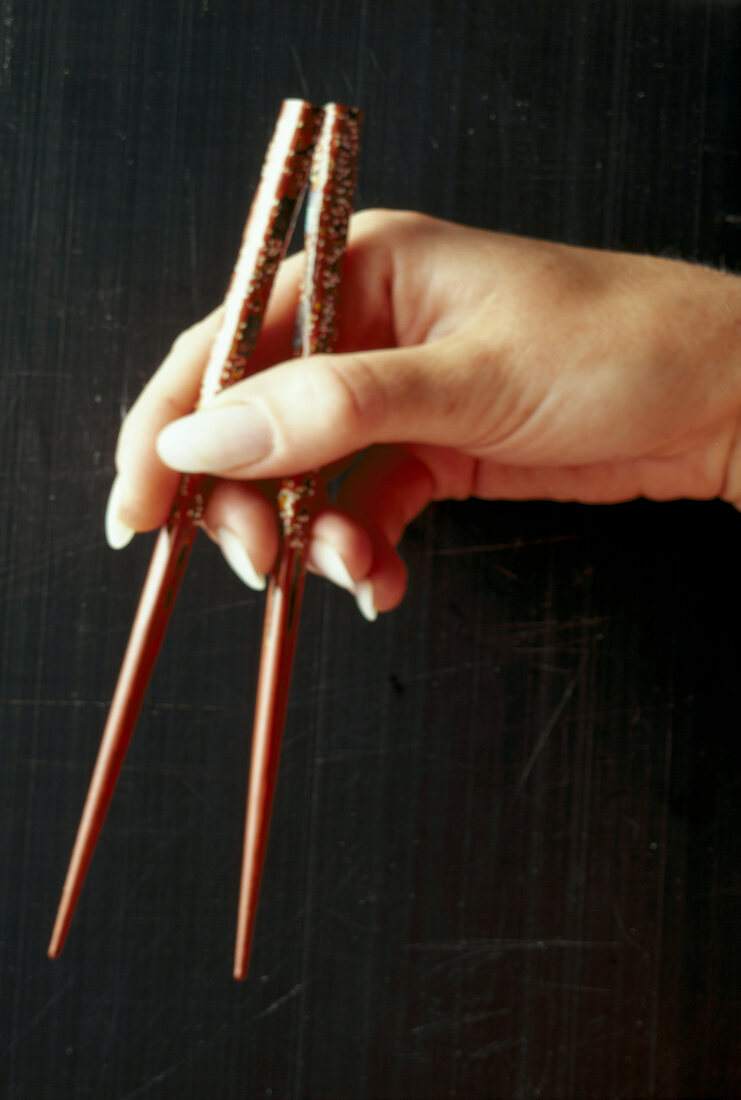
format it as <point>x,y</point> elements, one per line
<point>329,208</point>
<point>267,232</point>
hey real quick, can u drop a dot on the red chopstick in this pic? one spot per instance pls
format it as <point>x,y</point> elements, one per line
<point>328,212</point>
<point>282,184</point>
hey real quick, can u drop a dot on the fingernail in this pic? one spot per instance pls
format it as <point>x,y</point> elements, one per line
<point>364,598</point>
<point>216,439</point>
<point>325,559</point>
<point>233,550</point>
<point>118,534</point>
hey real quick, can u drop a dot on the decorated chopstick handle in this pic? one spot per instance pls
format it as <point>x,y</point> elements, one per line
<point>328,211</point>
<point>267,234</point>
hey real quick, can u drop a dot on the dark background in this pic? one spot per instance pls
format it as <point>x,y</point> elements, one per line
<point>505,855</point>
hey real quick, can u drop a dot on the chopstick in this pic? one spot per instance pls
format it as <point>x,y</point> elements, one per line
<point>267,232</point>
<point>329,207</point>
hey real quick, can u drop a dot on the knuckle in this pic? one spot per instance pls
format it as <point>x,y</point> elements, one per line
<point>192,338</point>
<point>370,223</point>
<point>379,223</point>
<point>182,342</point>
<point>126,436</point>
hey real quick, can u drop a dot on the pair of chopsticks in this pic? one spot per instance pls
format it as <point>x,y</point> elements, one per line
<point>310,145</point>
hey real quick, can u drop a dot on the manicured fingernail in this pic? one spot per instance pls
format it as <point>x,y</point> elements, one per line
<point>216,440</point>
<point>233,550</point>
<point>325,559</point>
<point>364,598</point>
<point>118,534</point>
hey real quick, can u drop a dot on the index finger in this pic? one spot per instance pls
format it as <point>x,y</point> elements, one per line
<point>144,486</point>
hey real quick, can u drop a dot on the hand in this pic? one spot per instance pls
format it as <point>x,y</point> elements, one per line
<point>469,364</point>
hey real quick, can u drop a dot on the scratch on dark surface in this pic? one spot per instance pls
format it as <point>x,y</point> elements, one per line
<point>547,730</point>
<point>622,929</point>
<point>8,36</point>
<point>496,1045</point>
<point>482,956</point>
<point>300,72</point>
<point>73,550</point>
<point>191,1055</point>
<point>488,548</point>
<point>467,1019</point>
<point>702,114</point>
<point>430,674</point>
<point>162,1075</point>
<point>193,242</point>
<point>280,1001</point>
<point>368,754</point>
<point>38,1016</point>
<point>187,614</point>
<point>660,898</point>
<point>144,1088</point>
<point>557,627</point>
<point>103,703</point>
<point>574,987</point>
<point>475,946</point>
<point>538,1090</point>
<point>508,573</point>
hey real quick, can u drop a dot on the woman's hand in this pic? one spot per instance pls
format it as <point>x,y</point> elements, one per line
<point>469,364</point>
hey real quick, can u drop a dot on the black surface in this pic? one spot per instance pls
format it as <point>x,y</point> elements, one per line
<point>505,853</point>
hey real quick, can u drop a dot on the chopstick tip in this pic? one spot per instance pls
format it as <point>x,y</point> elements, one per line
<point>243,945</point>
<point>56,943</point>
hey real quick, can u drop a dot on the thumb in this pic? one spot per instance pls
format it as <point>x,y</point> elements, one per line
<point>307,413</point>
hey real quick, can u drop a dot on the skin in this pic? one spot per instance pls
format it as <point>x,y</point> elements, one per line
<point>470,363</point>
